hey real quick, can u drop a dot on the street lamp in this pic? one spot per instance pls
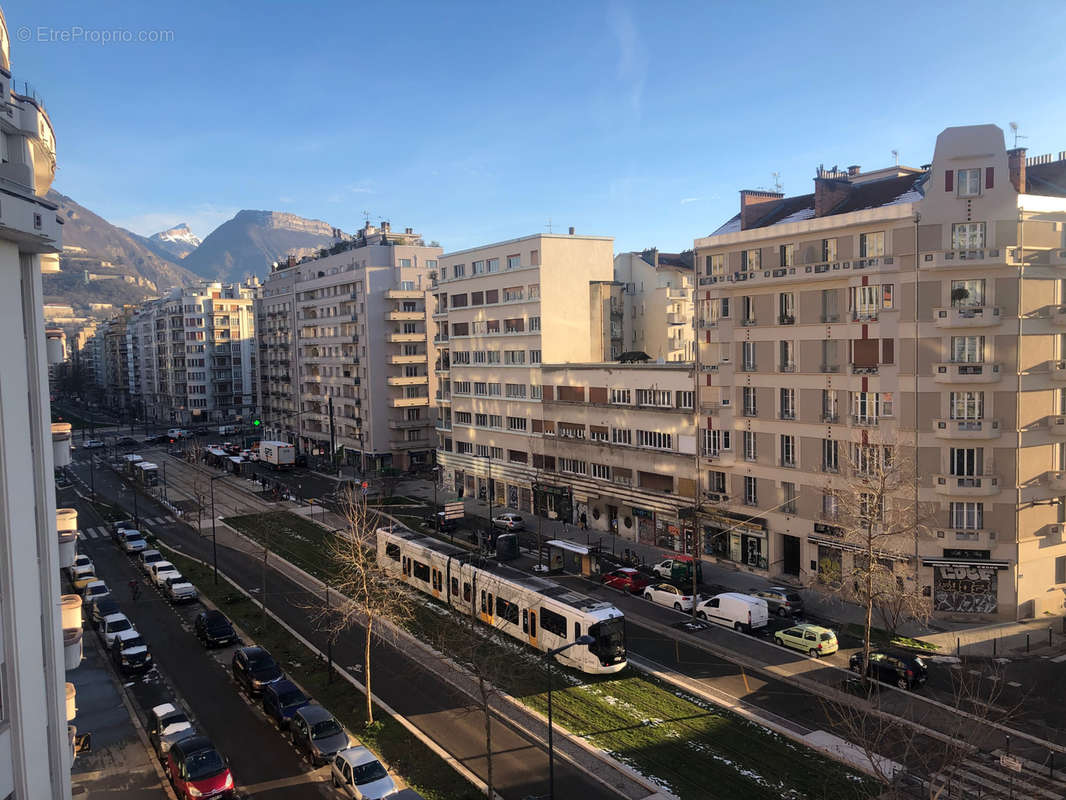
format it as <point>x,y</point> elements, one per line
<point>214,541</point>
<point>550,656</point>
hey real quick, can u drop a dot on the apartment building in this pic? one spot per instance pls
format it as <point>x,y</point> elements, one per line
<point>918,310</point>
<point>344,350</point>
<point>500,311</point>
<point>35,705</point>
<point>655,299</point>
<point>191,355</point>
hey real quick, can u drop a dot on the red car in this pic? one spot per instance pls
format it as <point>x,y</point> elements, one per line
<point>196,769</point>
<point>626,578</point>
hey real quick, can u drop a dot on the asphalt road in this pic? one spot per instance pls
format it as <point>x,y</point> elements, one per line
<point>519,764</point>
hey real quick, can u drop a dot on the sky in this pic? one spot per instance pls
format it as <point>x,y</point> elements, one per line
<point>478,122</point>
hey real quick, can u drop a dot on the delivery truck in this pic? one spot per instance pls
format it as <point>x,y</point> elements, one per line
<point>279,455</point>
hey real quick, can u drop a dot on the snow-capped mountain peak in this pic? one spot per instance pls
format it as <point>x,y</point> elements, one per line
<point>178,241</point>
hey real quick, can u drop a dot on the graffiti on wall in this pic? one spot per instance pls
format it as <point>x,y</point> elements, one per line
<point>965,589</point>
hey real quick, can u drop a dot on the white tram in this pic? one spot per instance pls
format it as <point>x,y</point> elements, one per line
<point>533,610</point>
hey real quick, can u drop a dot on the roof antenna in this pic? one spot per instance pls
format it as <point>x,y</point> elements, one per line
<point>366,216</point>
<point>549,225</point>
<point>895,155</point>
<point>777,182</point>
<point>1017,136</point>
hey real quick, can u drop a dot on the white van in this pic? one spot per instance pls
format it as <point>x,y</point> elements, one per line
<point>741,612</point>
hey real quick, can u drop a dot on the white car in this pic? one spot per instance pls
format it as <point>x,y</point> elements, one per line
<point>149,557</point>
<point>358,773</point>
<point>509,522</point>
<point>178,589</point>
<point>92,444</point>
<point>113,625</point>
<point>94,590</point>
<point>133,541</point>
<point>159,569</point>
<point>666,594</point>
<point>80,560</point>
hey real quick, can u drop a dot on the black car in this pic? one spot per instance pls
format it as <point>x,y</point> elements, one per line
<point>254,668</point>
<point>905,670</point>
<point>130,653</point>
<point>126,441</point>
<point>161,438</point>
<point>214,630</point>
<point>101,608</point>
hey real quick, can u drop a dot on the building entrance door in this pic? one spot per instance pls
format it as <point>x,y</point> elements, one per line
<point>790,555</point>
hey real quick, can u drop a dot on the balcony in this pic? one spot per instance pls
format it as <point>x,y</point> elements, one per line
<point>967,486</point>
<point>68,548</point>
<point>864,369</point>
<point>1056,481</point>
<point>72,648</point>
<point>958,372</point>
<point>404,294</point>
<point>960,259</point>
<point>786,319</point>
<point>407,380</point>
<point>788,366</point>
<point>404,316</point>
<point>722,458</point>
<point>966,316</point>
<point>409,444</point>
<point>1057,315</point>
<point>1057,370</point>
<point>968,428</point>
<point>864,421</point>
<point>405,424</point>
<point>401,338</point>
<point>677,318</point>
<point>409,402</point>
<point>416,359</point>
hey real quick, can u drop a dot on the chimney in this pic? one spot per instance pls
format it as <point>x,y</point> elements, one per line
<point>408,230</point>
<point>749,200</point>
<point>571,230</point>
<point>1016,168</point>
<point>386,227</point>
<point>853,170</point>
<point>831,188</point>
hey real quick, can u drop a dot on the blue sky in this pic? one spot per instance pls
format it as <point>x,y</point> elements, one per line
<point>475,122</point>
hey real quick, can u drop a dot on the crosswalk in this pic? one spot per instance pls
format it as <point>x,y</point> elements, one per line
<point>102,532</point>
<point>983,777</point>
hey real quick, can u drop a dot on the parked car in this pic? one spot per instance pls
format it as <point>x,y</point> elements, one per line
<point>213,629</point>
<point>80,560</point>
<point>509,522</point>
<point>101,607</point>
<point>666,594</point>
<point>92,444</point>
<point>133,542</point>
<point>126,441</point>
<point>167,725</point>
<point>177,588</point>
<point>665,569</point>
<point>281,700</point>
<point>148,557</point>
<point>160,438</point>
<point>130,653</point>
<point>626,578</point>
<point>120,525</point>
<point>82,576</point>
<point>196,769</point>
<point>740,612</point>
<point>813,640</point>
<point>253,668</point>
<point>94,591</point>
<point>113,625</point>
<point>160,568</point>
<point>781,600</point>
<point>317,733</point>
<point>357,772</point>
<point>905,670</point>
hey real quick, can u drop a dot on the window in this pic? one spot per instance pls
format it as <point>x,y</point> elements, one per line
<point>534,356</point>
<point>829,249</point>
<point>967,349</point>
<point>716,481</point>
<point>573,465</point>
<point>871,245</point>
<point>601,471</point>
<point>789,491</point>
<point>788,403</point>
<point>747,351</point>
<point>967,405</point>
<point>496,452</point>
<point>492,265</point>
<point>868,407</point>
<point>969,182</point>
<point>747,310</point>
<point>517,456</point>
<point>750,453</point>
<point>751,491</point>
<point>534,323</point>
<point>748,396</point>
<point>653,397</point>
<point>477,268</point>
<point>787,356</point>
<point>495,390</point>
<point>788,255</point>
<point>714,265</point>
<point>685,399</point>
<point>421,571</point>
<point>830,455</point>
<point>966,462</point>
<point>750,260</point>
<point>655,439</point>
<point>461,387</point>
<point>463,417</point>
<point>621,397</point>
<point>533,291</point>
<point>515,390</point>
<point>714,441</point>
<point>967,516</point>
<point>967,236</point>
<point>968,293</point>
<point>514,357</point>
<point>495,421</point>
<point>830,309</point>
<point>535,390</point>
<point>514,262</point>
<point>479,356</point>
<point>506,610</point>
<point>1060,569</point>
<point>492,356</point>
<point>512,293</point>
<point>788,450</point>
<point>786,308</point>
<point>480,387</point>
<point>598,434</point>
<point>865,301</point>
<point>621,436</point>
<point>550,621</point>
<point>568,430</point>
<point>405,262</point>
<point>464,447</point>
<point>516,423</point>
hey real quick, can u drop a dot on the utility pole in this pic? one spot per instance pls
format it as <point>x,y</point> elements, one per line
<point>332,437</point>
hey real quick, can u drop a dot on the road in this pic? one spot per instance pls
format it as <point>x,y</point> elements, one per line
<point>519,763</point>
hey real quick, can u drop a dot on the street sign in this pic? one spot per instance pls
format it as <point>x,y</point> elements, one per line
<point>1010,762</point>
<point>454,510</point>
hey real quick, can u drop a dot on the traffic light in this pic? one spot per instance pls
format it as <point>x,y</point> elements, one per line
<point>257,422</point>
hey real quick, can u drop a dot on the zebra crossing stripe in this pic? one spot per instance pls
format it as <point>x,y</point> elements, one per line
<point>90,533</point>
<point>81,535</point>
<point>101,531</point>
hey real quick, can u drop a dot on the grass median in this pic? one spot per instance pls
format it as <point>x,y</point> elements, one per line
<point>680,741</point>
<point>423,769</point>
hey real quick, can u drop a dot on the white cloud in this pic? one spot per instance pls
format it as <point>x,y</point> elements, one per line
<point>363,187</point>
<point>632,62</point>
<point>284,199</point>
<point>201,219</point>
<point>686,200</point>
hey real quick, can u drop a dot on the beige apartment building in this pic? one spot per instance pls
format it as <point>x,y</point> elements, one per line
<point>894,308</point>
<point>343,351</point>
<point>500,311</point>
<point>654,294</point>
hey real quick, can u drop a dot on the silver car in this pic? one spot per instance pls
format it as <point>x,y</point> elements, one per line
<point>315,731</point>
<point>358,773</point>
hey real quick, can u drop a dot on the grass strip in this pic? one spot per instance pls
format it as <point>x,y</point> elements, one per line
<point>424,770</point>
<point>695,748</point>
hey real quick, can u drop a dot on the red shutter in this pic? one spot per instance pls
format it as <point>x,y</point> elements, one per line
<point>949,180</point>
<point>989,177</point>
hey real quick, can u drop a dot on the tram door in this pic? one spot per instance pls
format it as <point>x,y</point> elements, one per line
<point>529,626</point>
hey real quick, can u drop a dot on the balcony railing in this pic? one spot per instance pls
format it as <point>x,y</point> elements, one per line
<point>864,420</point>
<point>786,319</point>
<point>788,366</point>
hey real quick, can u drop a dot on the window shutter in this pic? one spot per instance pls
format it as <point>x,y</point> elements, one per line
<point>989,177</point>
<point>888,351</point>
<point>949,180</point>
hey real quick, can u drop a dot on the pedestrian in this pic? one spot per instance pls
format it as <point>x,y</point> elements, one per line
<point>584,521</point>
<point>564,526</point>
<point>135,590</point>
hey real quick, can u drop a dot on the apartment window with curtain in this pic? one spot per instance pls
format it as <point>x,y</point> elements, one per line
<point>715,441</point>
<point>786,308</point>
<point>716,481</point>
<point>829,506</point>
<point>830,455</point>
<point>968,293</point>
<point>747,310</point>
<point>751,491</point>
<point>829,405</point>
<point>829,249</point>
<point>969,181</point>
<point>967,405</point>
<point>788,255</point>
<point>788,450</point>
<point>830,305</point>
<point>750,260</point>
<point>788,489</point>
<point>967,235</point>
<point>830,356</point>
<point>868,407</point>
<point>967,516</point>
<point>749,446</point>
<point>871,245</point>
<point>967,349</point>
<point>788,403</point>
<point>749,404</point>
<point>715,265</point>
<point>787,353</point>
<point>747,350</point>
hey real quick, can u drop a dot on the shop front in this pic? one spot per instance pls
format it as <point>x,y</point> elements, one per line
<point>966,582</point>
<point>734,538</point>
<point>553,502</point>
<point>645,525</point>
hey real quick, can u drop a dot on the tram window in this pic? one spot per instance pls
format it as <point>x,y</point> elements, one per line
<point>455,586</point>
<point>466,591</point>
<point>393,551</point>
<point>484,610</point>
<point>421,570</point>
<point>406,566</point>
<point>577,630</point>
<point>525,620</point>
<point>552,622</point>
<point>507,610</point>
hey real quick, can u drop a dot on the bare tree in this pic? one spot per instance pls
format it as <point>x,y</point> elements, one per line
<point>367,594</point>
<point>878,521</point>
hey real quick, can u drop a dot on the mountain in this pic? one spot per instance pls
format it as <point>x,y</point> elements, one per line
<point>174,243</point>
<point>248,244</point>
<point>102,263</point>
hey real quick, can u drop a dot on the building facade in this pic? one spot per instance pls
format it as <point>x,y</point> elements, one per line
<point>35,748</point>
<point>344,349</point>
<point>912,309</point>
<point>657,306</point>
<point>191,355</point>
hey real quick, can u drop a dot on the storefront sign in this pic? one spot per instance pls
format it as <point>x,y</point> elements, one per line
<point>967,555</point>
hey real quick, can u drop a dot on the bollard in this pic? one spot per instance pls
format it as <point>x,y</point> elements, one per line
<point>1027,642</point>
<point>995,640</point>
<point>1049,636</point>
<point>1052,772</point>
<point>958,647</point>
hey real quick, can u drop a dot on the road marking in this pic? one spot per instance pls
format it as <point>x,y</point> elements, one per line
<point>1059,659</point>
<point>101,531</point>
<point>1015,684</point>
<point>91,533</point>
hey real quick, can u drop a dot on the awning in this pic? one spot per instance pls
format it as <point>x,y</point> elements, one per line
<point>839,545</point>
<point>963,562</point>
<point>580,549</point>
